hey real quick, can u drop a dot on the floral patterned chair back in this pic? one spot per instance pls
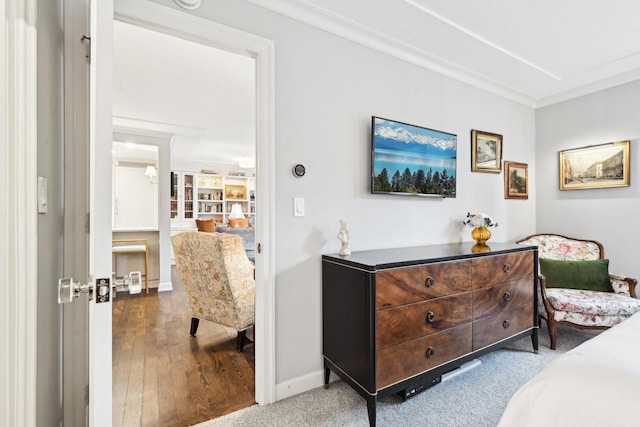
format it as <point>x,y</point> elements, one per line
<point>555,246</point>
<point>217,276</point>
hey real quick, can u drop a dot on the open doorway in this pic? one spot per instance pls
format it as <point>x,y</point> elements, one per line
<point>163,85</point>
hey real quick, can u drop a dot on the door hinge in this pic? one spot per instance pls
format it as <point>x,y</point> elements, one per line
<point>87,41</point>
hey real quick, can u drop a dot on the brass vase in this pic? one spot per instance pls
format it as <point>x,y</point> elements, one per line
<point>481,235</point>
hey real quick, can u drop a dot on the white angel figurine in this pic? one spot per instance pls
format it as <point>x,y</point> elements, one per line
<point>344,237</point>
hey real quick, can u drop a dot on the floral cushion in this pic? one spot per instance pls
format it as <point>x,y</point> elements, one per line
<point>591,308</point>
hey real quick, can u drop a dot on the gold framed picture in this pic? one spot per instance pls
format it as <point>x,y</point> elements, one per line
<point>516,180</point>
<point>235,192</point>
<point>486,151</point>
<point>595,166</point>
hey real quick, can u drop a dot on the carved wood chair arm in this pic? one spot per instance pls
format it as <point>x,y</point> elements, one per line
<point>543,292</point>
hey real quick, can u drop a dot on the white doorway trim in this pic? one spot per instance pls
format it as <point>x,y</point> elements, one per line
<point>181,24</point>
<point>18,218</point>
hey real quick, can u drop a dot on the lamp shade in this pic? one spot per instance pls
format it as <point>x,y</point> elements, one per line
<point>236,211</point>
<point>150,171</point>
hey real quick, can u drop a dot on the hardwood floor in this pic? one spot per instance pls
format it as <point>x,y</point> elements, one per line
<point>164,377</point>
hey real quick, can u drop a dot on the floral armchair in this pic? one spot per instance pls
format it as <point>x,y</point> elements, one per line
<point>567,303</point>
<point>218,279</point>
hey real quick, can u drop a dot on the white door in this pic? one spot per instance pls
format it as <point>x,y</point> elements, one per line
<point>87,253</point>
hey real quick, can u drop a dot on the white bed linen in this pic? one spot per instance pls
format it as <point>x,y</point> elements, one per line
<point>595,384</point>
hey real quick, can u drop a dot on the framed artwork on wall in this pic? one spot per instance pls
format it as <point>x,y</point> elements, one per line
<point>595,166</point>
<point>516,180</point>
<point>412,160</point>
<point>486,152</point>
<point>235,192</point>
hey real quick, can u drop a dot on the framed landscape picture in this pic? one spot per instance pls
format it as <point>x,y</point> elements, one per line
<point>516,180</point>
<point>412,160</point>
<point>235,192</point>
<point>486,152</point>
<point>595,166</point>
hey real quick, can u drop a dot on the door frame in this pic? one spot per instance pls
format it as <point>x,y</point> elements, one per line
<point>18,221</point>
<point>185,25</point>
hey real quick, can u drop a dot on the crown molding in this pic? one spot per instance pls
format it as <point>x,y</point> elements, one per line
<point>323,19</point>
<point>587,89</point>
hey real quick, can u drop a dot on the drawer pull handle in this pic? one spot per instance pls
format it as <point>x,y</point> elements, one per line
<point>506,324</point>
<point>430,352</point>
<point>506,268</point>
<point>506,296</point>
<point>430,316</point>
<point>429,282</point>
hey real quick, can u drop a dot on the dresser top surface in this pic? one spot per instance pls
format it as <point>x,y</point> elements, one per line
<point>398,257</point>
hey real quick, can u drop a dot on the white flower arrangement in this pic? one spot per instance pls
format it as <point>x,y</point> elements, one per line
<point>479,220</point>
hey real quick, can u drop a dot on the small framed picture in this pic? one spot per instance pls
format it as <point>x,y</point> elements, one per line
<point>235,192</point>
<point>516,180</point>
<point>595,166</point>
<point>486,152</point>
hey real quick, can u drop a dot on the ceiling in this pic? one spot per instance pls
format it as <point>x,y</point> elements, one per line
<point>535,53</point>
<point>204,97</point>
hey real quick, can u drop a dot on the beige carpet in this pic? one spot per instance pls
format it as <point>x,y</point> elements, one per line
<point>475,398</point>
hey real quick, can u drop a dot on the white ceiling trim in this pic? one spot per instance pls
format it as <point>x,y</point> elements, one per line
<point>614,81</point>
<point>330,22</point>
<point>481,39</point>
<point>157,127</point>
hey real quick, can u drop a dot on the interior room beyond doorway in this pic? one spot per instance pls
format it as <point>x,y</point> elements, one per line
<point>210,118</point>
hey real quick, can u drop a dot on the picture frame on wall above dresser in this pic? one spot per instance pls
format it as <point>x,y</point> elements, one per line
<point>595,166</point>
<point>486,152</point>
<point>412,160</point>
<point>516,180</point>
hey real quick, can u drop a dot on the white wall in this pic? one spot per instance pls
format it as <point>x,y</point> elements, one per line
<point>608,215</point>
<point>327,89</point>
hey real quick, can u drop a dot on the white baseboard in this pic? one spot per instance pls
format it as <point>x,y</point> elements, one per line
<point>301,384</point>
<point>164,287</point>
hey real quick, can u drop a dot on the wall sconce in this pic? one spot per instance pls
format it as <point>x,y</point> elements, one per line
<point>151,172</point>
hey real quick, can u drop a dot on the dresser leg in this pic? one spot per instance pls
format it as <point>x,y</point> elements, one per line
<point>371,409</point>
<point>327,372</point>
<point>534,340</point>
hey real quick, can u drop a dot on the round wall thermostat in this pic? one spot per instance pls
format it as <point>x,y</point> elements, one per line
<point>299,171</point>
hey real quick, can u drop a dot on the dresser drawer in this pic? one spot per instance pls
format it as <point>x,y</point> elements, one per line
<point>412,284</point>
<point>407,322</point>
<point>403,361</point>
<point>491,270</point>
<point>496,299</point>
<point>489,330</point>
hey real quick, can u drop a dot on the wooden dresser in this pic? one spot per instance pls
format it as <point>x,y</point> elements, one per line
<point>395,320</point>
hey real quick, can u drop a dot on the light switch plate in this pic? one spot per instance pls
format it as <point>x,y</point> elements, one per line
<point>298,206</point>
<point>43,195</point>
